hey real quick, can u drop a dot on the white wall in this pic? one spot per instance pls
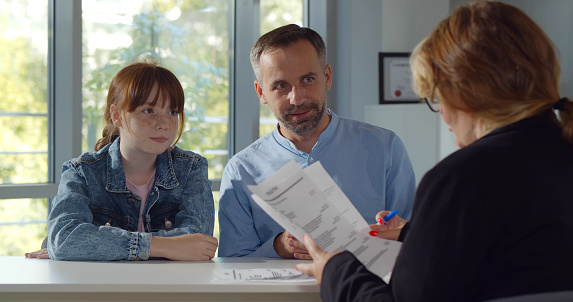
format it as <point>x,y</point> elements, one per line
<point>406,22</point>
<point>354,40</point>
<point>555,17</point>
<point>359,29</point>
<point>405,120</point>
<point>364,29</point>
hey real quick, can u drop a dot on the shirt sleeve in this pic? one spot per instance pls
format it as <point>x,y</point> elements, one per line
<point>238,236</point>
<point>72,236</point>
<point>197,210</point>
<point>400,180</point>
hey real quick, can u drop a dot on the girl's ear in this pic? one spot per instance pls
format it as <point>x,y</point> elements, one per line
<point>115,115</point>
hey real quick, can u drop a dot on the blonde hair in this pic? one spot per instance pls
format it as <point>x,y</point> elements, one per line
<point>497,59</point>
<point>131,87</point>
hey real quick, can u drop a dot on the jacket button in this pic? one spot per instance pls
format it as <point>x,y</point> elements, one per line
<point>168,223</point>
<point>108,223</point>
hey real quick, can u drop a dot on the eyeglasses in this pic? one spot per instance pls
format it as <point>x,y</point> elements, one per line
<point>434,105</point>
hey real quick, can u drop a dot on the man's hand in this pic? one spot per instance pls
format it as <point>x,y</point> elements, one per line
<point>289,247</point>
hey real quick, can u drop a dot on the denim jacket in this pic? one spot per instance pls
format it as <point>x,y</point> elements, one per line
<point>94,216</point>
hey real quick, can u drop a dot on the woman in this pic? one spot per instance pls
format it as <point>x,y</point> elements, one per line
<point>494,219</point>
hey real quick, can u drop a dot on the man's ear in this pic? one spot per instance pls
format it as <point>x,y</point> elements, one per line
<point>328,75</point>
<point>260,94</point>
<point>115,115</point>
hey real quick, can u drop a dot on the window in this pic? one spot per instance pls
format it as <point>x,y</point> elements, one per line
<point>204,42</point>
<point>273,15</point>
<point>188,38</point>
<point>24,121</point>
<point>23,82</point>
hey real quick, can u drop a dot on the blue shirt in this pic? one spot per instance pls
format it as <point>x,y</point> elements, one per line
<point>95,217</point>
<point>369,164</point>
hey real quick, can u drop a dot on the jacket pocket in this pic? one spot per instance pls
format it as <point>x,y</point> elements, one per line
<point>163,218</point>
<point>105,217</point>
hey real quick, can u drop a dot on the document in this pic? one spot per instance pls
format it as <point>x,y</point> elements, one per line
<point>309,202</point>
<point>264,275</point>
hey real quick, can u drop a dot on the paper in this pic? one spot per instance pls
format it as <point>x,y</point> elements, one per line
<point>309,202</point>
<point>400,80</point>
<point>264,275</point>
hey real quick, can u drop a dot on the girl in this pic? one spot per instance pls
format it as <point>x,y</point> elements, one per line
<point>138,196</point>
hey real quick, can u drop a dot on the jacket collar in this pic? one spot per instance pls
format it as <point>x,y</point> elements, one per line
<point>164,172</point>
<point>544,119</point>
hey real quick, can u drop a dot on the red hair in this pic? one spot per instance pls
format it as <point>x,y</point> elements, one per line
<point>131,87</point>
<point>497,59</point>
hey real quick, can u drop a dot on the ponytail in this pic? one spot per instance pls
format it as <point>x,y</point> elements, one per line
<point>565,109</point>
<point>108,135</point>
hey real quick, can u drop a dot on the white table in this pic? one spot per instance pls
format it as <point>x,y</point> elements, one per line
<point>23,279</point>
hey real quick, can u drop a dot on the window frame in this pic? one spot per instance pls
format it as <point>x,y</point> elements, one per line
<point>243,101</point>
<point>64,86</point>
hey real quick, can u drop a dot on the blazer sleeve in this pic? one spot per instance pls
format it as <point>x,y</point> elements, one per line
<point>441,256</point>
<point>345,279</point>
<point>444,252</point>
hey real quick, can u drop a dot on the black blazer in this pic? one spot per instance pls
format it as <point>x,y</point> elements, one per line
<point>493,219</point>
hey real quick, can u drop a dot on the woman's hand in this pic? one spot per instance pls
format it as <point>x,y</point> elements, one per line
<point>320,258</point>
<point>389,230</point>
<point>40,254</point>
<point>184,247</point>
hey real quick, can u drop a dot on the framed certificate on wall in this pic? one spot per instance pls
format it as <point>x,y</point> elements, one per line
<point>395,78</point>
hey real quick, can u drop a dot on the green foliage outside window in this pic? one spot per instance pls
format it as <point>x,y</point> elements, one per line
<point>23,225</point>
<point>276,13</point>
<point>194,47</point>
<point>23,112</point>
<point>23,121</point>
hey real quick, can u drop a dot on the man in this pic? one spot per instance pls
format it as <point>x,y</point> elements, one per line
<point>369,164</point>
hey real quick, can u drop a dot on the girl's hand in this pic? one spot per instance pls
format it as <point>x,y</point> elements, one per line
<point>389,230</point>
<point>40,254</point>
<point>320,258</point>
<point>184,247</point>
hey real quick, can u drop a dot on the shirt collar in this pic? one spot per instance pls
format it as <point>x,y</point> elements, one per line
<point>164,172</point>
<point>324,136</point>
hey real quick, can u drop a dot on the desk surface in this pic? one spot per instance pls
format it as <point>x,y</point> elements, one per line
<point>27,276</point>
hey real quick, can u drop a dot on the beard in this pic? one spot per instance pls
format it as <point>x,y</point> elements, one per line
<point>302,126</point>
